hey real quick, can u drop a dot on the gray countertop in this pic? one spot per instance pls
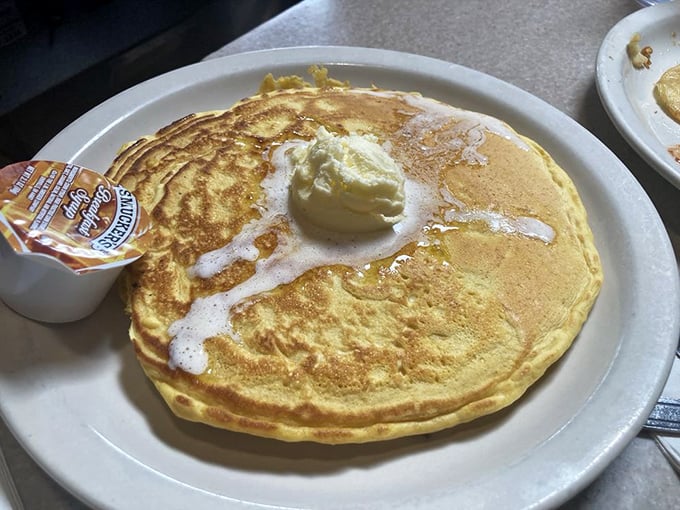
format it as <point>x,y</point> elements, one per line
<point>547,48</point>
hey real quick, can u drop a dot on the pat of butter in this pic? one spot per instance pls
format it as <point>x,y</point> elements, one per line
<point>347,183</point>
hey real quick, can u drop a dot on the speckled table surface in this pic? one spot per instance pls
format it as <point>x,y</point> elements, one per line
<point>546,47</point>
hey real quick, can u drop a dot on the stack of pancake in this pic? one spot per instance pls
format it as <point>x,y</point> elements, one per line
<point>454,323</point>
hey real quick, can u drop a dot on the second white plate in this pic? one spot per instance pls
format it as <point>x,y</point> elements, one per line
<point>627,93</point>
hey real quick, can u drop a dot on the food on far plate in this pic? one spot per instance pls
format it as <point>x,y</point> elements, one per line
<point>344,265</point>
<point>674,151</point>
<point>639,57</point>
<point>667,92</point>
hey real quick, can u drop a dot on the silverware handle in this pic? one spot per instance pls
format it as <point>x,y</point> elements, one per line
<point>665,417</point>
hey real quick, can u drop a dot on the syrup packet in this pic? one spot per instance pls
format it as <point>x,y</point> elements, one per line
<point>66,233</point>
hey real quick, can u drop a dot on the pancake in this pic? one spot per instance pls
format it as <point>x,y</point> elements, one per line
<point>249,318</point>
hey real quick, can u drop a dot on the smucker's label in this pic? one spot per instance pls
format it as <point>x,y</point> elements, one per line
<point>71,213</point>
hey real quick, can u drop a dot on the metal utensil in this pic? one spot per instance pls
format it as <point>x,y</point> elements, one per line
<point>665,417</point>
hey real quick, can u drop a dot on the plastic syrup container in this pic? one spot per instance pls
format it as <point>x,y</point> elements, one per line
<point>66,232</point>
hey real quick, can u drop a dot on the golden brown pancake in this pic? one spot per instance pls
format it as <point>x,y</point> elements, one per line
<point>452,325</point>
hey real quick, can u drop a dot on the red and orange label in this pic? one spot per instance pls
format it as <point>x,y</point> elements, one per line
<point>71,213</point>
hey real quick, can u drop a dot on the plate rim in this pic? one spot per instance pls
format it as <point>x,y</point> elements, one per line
<point>608,446</point>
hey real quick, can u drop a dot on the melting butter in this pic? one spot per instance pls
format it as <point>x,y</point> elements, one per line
<point>532,228</point>
<point>347,183</point>
<point>302,246</point>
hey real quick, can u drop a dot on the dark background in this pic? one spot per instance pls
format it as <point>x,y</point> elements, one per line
<point>59,59</point>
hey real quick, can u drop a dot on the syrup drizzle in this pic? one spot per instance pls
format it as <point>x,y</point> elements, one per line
<point>302,246</point>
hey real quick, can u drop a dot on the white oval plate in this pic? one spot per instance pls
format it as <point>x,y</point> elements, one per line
<point>627,93</point>
<point>76,398</point>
